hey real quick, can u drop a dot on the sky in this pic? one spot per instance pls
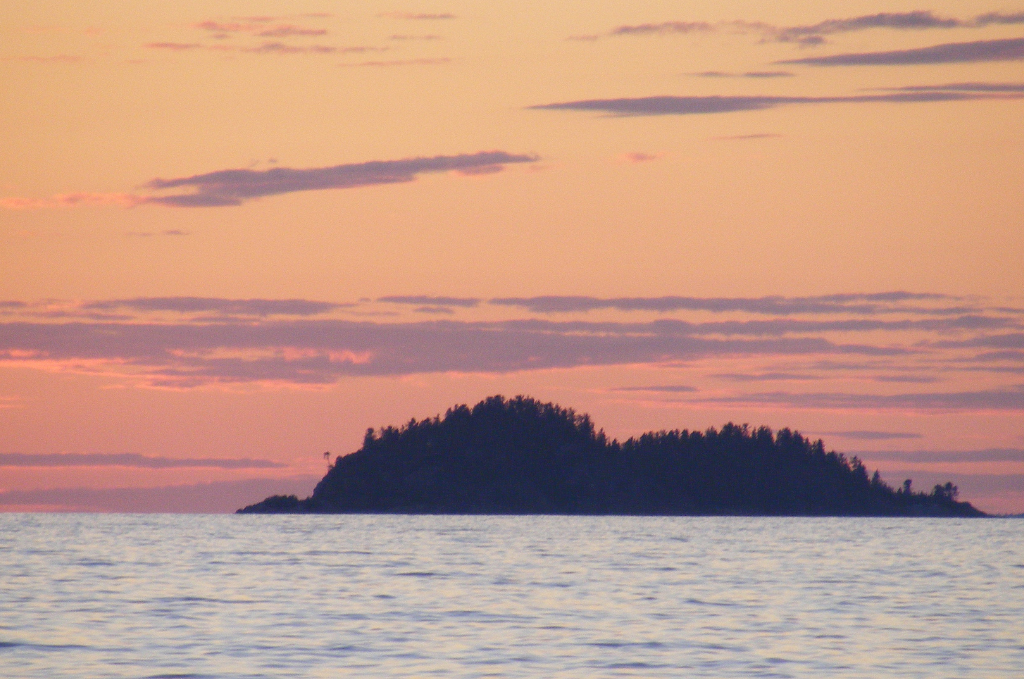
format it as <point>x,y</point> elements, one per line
<point>235,235</point>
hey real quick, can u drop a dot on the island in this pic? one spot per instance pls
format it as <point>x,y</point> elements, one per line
<point>522,456</point>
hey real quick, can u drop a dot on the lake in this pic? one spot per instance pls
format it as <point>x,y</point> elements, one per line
<point>108,595</point>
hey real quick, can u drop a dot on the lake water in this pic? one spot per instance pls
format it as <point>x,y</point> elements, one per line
<point>88,595</point>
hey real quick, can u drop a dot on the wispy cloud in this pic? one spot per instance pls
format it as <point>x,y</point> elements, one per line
<point>868,435</point>
<point>639,157</point>
<point>165,232</point>
<point>431,300</point>
<point>665,27</point>
<point>323,351</point>
<point>1004,399</point>
<point>80,199</point>
<point>674,105</point>
<point>927,456</point>
<point>183,342</point>
<point>867,303</point>
<point>130,460</point>
<point>1011,49</point>
<point>999,18</point>
<point>766,376</point>
<point>663,389</point>
<point>267,47</point>
<point>289,31</point>
<point>233,307</point>
<point>260,28</point>
<point>283,48</point>
<point>749,74</point>
<point>963,87</point>
<point>233,187</point>
<point>815,34</point>
<point>174,46</point>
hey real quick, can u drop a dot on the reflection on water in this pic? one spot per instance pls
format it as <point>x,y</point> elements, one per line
<point>402,596</point>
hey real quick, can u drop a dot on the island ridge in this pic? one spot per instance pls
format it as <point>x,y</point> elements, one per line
<point>521,456</point>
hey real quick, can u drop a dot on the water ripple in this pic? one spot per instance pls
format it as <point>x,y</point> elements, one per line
<point>151,596</point>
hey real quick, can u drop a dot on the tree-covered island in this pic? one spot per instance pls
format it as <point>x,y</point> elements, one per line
<point>521,456</point>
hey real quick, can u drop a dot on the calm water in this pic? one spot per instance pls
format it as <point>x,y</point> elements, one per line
<point>395,596</point>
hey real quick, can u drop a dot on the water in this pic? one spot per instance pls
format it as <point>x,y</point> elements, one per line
<point>430,596</point>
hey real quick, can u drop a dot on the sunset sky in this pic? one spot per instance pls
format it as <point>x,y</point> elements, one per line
<point>234,235</point>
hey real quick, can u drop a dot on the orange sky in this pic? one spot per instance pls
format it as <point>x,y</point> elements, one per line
<point>250,230</point>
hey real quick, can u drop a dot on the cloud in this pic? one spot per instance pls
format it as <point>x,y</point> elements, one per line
<point>929,456</point>
<point>672,105</point>
<point>430,300</point>
<point>865,435</point>
<point>174,46</point>
<point>1011,49</point>
<point>222,26</point>
<point>288,30</point>
<point>129,460</point>
<point>1008,341</point>
<point>767,74</point>
<point>185,342</point>
<point>963,87</point>
<point>259,26</point>
<point>666,27</point>
<point>640,157</point>
<point>999,18</point>
<point>269,47</point>
<point>282,48</point>
<point>65,200</point>
<point>236,307</point>
<point>323,351</point>
<point>749,74</point>
<point>1003,399</point>
<point>1001,356</point>
<point>868,303</point>
<point>814,34</point>
<point>906,379</point>
<point>217,497</point>
<point>766,376</point>
<point>233,187</point>
<point>664,389</point>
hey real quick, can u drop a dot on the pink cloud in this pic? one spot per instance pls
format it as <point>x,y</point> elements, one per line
<point>222,27</point>
<point>640,157</point>
<point>288,30</point>
<point>174,46</point>
<point>62,200</point>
